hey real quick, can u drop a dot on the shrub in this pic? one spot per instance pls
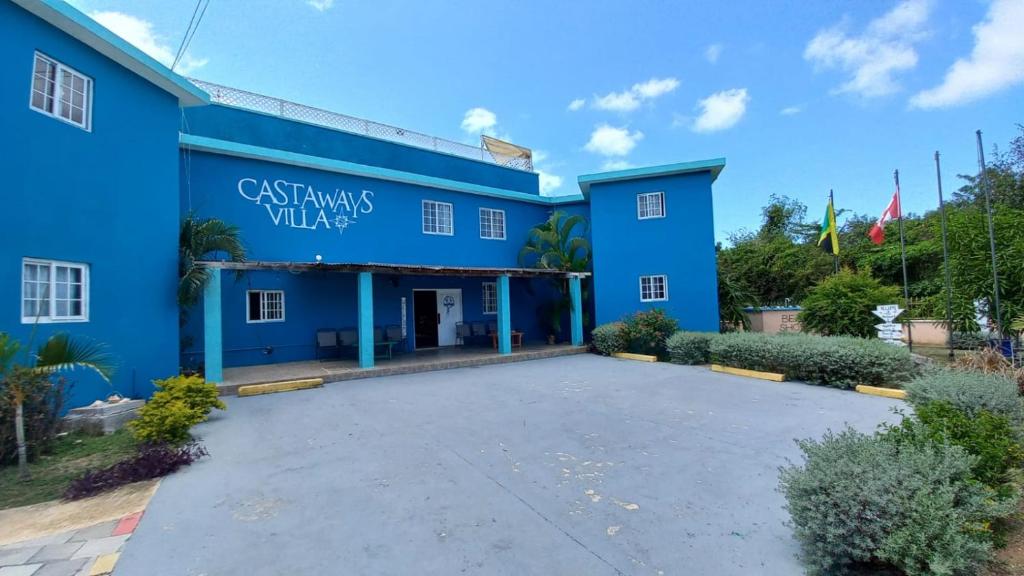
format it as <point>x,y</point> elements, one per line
<point>838,361</point>
<point>41,409</point>
<point>609,339</point>
<point>969,392</point>
<point>969,340</point>
<point>151,461</point>
<point>841,304</point>
<point>690,347</point>
<point>646,332</point>
<point>179,403</point>
<point>863,501</point>
<point>990,361</point>
<point>987,436</point>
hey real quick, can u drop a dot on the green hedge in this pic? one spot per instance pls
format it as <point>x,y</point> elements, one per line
<point>970,392</point>
<point>690,347</point>
<point>609,338</point>
<point>838,361</point>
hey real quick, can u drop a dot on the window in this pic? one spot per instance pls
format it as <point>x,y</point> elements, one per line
<point>264,306</point>
<point>61,92</point>
<point>490,298</point>
<point>53,291</point>
<point>650,205</point>
<point>653,288</point>
<point>437,218</point>
<point>492,224</point>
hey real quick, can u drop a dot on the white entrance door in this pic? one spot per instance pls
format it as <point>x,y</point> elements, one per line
<point>449,312</point>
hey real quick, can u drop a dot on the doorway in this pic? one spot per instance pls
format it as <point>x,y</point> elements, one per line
<point>435,316</point>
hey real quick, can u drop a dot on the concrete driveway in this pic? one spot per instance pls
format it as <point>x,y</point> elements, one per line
<point>576,465</point>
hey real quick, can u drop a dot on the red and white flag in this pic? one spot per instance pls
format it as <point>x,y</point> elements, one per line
<point>877,233</point>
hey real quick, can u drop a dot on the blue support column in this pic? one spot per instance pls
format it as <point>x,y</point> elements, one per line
<point>576,312</point>
<point>365,320</point>
<point>504,317</point>
<point>213,342</point>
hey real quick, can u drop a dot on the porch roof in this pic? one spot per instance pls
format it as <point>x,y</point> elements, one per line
<point>408,269</point>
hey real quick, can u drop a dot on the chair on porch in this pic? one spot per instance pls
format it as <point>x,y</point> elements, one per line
<point>463,333</point>
<point>393,333</point>
<point>348,341</point>
<point>327,339</point>
<point>478,331</point>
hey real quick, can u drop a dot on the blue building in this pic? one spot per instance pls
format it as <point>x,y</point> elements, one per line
<point>373,232</point>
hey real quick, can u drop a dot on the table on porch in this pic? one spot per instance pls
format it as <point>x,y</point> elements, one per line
<point>517,339</point>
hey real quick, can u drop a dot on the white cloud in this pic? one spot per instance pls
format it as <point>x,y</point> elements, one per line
<point>791,110</point>
<point>576,104</point>
<point>611,141</point>
<point>479,121</point>
<point>712,53</point>
<point>321,5</point>
<point>874,57</point>
<point>631,99</point>
<point>721,110</point>
<point>548,182</point>
<point>611,165</point>
<point>995,63</point>
<point>139,33</point>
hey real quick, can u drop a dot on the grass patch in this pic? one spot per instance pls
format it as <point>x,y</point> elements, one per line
<point>73,455</point>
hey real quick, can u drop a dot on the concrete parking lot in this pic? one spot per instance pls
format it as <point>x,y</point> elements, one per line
<point>575,465</point>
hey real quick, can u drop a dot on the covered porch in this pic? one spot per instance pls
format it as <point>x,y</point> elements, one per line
<point>366,329</point>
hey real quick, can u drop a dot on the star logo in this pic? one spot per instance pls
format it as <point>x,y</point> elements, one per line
<point>342,221</point>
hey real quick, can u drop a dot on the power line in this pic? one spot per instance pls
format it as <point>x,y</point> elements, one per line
<point>190,31</point>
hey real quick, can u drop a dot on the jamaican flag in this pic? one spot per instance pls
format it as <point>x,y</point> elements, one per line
<point>829,237</point>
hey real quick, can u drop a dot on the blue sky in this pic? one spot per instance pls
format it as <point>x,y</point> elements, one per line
<point>799,97</point>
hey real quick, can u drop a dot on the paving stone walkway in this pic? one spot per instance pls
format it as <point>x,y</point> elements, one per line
<point>90,551</point>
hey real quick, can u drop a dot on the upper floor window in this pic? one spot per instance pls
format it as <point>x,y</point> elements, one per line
<point>264,306</point>
<point>490,297</point>
<point>61,92</point>
<point>492,224</point>
<point>653,288</point>
<point>437,218</point>
<point>53,291</point>
<point>650,205</point>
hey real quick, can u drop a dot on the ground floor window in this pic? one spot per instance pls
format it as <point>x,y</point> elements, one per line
<point>653,288</point>
<point>54,291</point>
<point>265,306</point>
<point>490,298</point>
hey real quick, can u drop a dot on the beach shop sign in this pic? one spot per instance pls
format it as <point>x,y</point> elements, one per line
<point>301,206</point>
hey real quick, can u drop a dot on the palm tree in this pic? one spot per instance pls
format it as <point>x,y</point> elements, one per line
<point>61,352</point>
<point>200,238</point>
<point>551,245</point>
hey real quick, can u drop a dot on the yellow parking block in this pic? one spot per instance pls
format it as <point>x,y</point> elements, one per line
<point>748,373</point>
<point>271,387</point>
<point>640,357</point>
<point>877,391</point>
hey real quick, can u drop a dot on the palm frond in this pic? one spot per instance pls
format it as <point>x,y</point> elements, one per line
<point>62,352</point>
<point>9,348</point>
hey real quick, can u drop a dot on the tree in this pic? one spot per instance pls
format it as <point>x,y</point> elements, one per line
<point>553,245</point>
<point>59,353</point>
<point>201,238</point>
<point>733,299</point>
<point>842,303</point>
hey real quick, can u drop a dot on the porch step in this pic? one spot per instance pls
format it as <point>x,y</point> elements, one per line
<point>286,386</point>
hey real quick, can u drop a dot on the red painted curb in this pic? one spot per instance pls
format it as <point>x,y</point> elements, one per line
<point>127,524</point>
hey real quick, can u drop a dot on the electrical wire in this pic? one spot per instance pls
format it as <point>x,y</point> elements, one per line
<point>190,30</point>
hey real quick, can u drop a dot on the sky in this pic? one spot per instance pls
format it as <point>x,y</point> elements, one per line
<point>799,97</point>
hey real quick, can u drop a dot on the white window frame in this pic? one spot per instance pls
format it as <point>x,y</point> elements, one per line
<point>263,307</point>
<point>651,278</point>
<point>493,286</point>
<point>437,229</point>
<point>491,212</point>
<point>642,205</point>
<point>51,317</point>
<point>55,99</point>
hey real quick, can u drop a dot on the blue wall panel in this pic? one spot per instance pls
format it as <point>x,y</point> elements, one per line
<point>108,198</point>
<point>237,125</point>
<point>681,246</point>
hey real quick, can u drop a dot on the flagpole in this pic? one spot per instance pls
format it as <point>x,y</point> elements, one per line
<point>832,205</point>
<point>945,260</point>
<point>983,182</point>
<point>903,257</point>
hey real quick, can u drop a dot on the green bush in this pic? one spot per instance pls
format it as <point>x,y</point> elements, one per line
<point>969,392</point>
<point>838,361</point>
<point>841,304</point>
<point>969,340</point>
<point>860,502</point>
<point>987,436</point>
<point>690,347</point>
<point>609,338</point>
<point>44,401</point>
<point>646,332</point>
<point>179,403</point>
